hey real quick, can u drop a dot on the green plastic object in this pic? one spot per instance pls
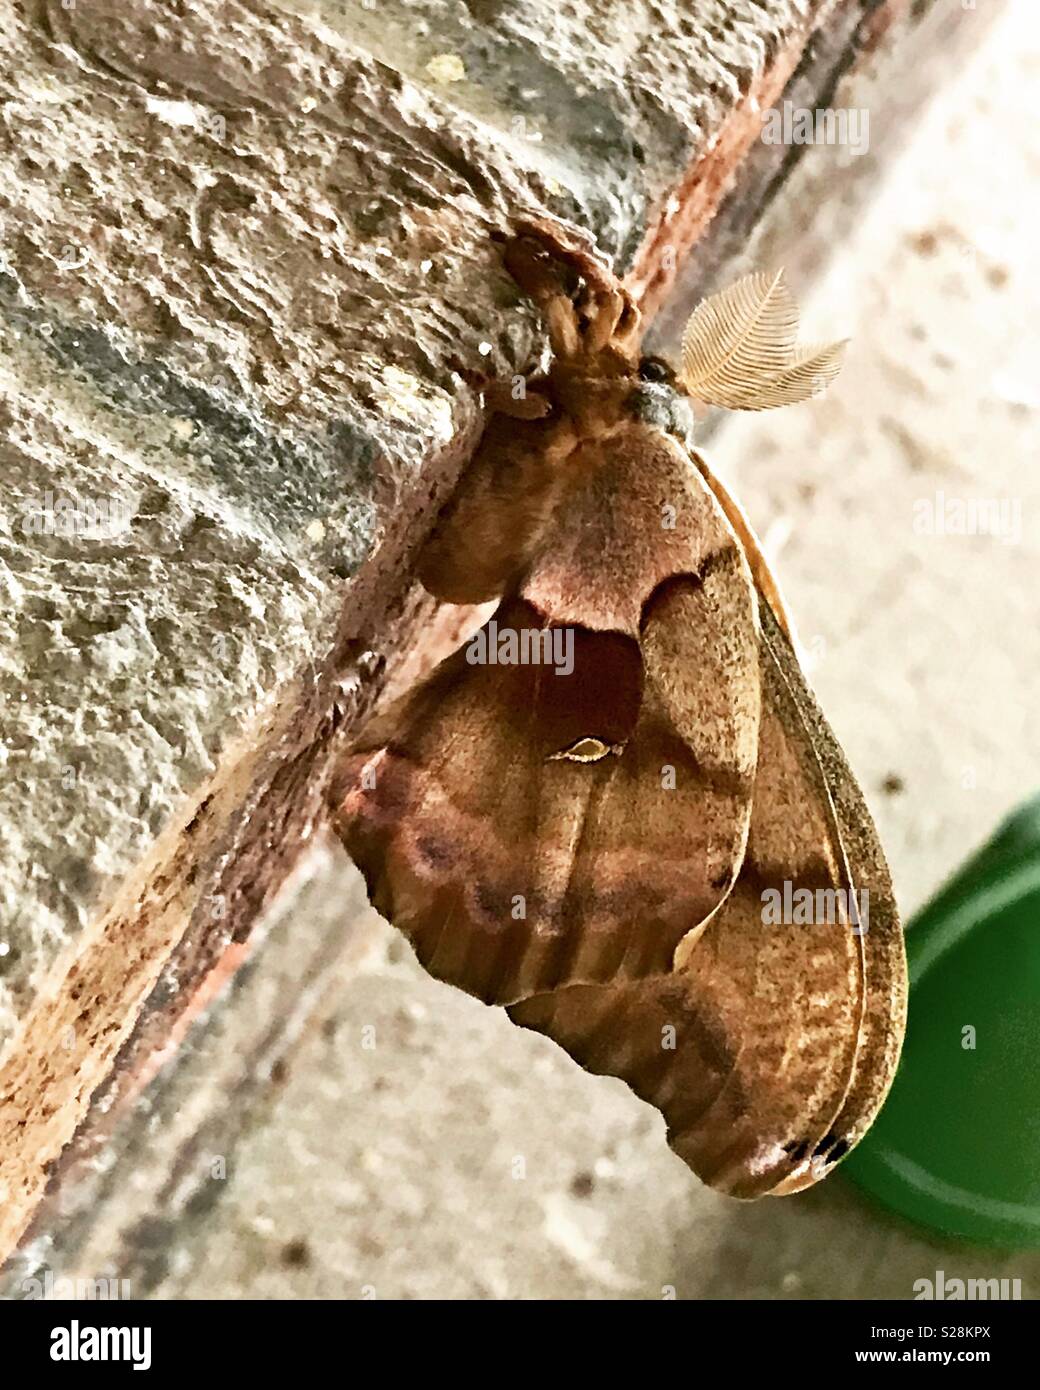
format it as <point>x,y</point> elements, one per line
<point>956,1146</point>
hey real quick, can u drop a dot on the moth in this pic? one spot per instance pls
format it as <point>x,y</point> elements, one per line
<point>594,843</point>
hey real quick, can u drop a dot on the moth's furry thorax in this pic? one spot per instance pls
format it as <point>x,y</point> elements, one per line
<point>660,405</point>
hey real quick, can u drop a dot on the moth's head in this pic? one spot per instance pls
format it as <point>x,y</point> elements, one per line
<point>656,398</point>
<point>616,386</point>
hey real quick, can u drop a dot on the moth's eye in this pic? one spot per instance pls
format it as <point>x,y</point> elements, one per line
<point>587,750</point>
<point>655,369</point>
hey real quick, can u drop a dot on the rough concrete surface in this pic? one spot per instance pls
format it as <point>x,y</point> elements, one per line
<point>444,1153</point>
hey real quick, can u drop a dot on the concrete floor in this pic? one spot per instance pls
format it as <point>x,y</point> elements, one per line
<point>458,1157</point>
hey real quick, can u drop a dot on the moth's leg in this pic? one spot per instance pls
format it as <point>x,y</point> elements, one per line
<point>765,580</point>
<point>612,320</point>
<point>585,306</point>
<point>534,404</point>
<point>542,278</point>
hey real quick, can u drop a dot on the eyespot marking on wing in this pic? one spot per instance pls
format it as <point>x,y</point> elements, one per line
<point>588,750</point>
<point>796,1150</point>
<point>824,1144</point>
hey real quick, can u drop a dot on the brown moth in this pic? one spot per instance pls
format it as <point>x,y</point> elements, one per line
<point>583,813</point>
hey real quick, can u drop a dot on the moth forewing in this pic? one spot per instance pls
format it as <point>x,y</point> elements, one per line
<point>766,583</point>
<point>517,866</point>
<point>883,1015</point>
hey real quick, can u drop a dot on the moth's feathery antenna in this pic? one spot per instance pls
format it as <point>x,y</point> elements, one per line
<point>740,349</point>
